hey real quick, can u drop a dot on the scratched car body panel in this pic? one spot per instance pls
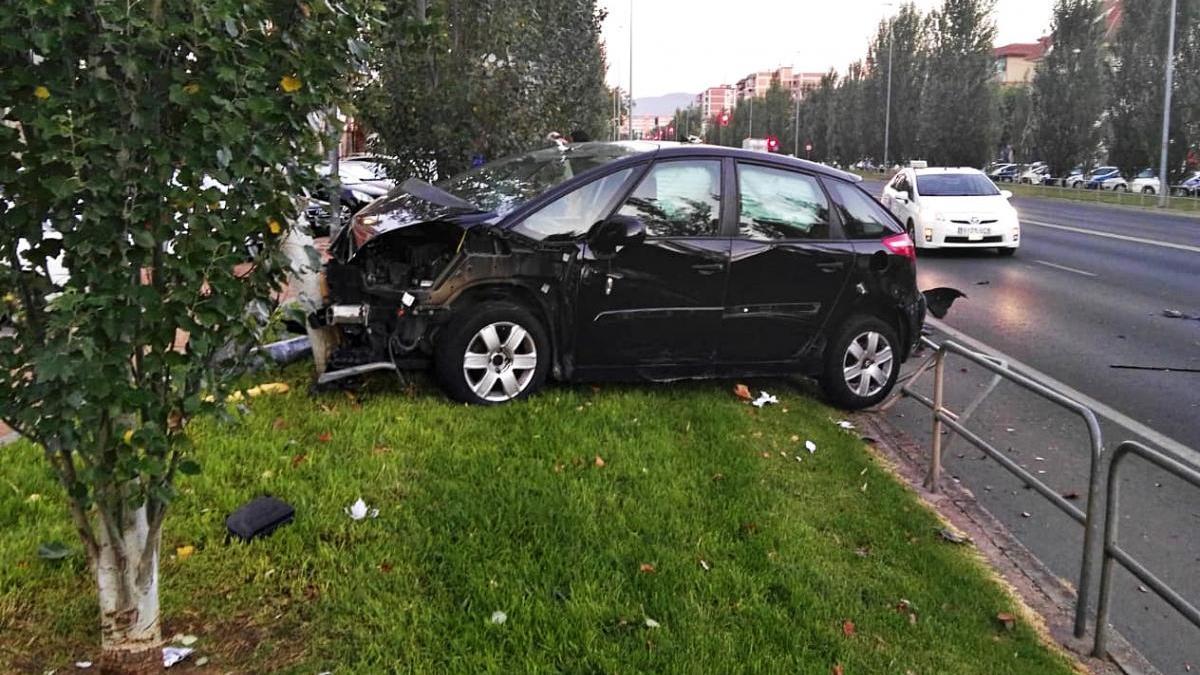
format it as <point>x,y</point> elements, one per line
<point>607,261</point>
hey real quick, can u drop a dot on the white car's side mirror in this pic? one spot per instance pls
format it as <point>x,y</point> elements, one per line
<point>1007,194</point>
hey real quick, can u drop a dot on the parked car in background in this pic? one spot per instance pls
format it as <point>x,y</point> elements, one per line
<point>1009,174</point>
<point>1034,174</point>
<point>1073,176</point>
<point>953,208</point>
<point>1145,182</point>
<point>996,170</point>
<point>632,260</point>
<point>1188,187</point>
<point>1104,178</point>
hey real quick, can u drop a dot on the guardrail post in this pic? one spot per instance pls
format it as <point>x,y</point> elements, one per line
<point>935,460</point>
<point>1100,648</point>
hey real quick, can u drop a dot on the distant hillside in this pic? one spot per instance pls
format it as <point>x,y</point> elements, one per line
<point>662,105</point>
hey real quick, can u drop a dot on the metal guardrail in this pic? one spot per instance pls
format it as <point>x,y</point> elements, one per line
<point>1112,552</point>
<point>1176,200</point>
<point>943,416</point>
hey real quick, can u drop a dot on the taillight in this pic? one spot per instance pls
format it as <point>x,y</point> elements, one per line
<point>900,244</point>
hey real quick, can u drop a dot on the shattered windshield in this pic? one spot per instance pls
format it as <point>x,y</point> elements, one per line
<point>505,184</point>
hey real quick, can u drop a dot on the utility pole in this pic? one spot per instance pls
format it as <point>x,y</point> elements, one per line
<point>887,109</point>
<point>796,127</point>
<point>1166,123</point>
<point>752,93</point>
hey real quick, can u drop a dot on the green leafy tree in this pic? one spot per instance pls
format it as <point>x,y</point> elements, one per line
<point>465,78</point>
<point>958,116</point>
<point>1016,106</point>
<point>909,42</point>
<point>1068,88</point>
<point>115,118</point>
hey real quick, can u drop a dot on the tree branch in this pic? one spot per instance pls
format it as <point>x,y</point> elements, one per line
<point>64,468</point>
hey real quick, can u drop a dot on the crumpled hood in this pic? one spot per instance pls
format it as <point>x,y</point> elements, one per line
<point>398,210</point>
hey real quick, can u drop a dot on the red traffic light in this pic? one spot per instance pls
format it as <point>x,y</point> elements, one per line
<point>725,118</point>
<point>772,144</point>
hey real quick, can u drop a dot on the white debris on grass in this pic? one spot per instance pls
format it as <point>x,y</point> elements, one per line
<point>173,655</point>
<point>651,623</point>
<point>810,446</point>
<point>844,424</point>
<point>83,665</point>
<point>499,617</point>
<point>359,510</point>
<point>764,399</point>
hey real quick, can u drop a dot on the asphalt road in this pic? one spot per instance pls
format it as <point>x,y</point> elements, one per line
<point>1086,291</point>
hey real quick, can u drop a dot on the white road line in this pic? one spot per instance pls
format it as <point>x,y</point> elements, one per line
<point>1047,263</point>
<point>1161,440</point>
<point>1110,235</point>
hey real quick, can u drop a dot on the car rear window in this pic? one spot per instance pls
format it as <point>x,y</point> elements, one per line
<point>862,216</point>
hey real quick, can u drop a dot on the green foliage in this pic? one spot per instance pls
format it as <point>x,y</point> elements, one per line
<point>958,121</point>
<point>474,77</point>
<point>117,120</point>
<point>1016,106</point>
<point>1068,88</point>
<point>908,54</point>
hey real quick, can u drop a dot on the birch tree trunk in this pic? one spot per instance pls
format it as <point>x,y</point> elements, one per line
<point>306,281</point>
<point>127,582</point>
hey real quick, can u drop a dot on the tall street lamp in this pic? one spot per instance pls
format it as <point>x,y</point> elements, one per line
<point>887,108</point>
<point>1166,123</point>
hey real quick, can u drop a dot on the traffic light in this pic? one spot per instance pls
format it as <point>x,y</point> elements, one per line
<point>725,118</point>
<point>772,144</point>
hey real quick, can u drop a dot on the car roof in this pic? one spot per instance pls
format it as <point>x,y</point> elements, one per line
<point>670,149</point>
<point>947,169</point>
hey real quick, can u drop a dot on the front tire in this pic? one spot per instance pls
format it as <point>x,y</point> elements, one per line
<point>861,363</point>
<point>1007,252</point>
<point>1147,190</point>
<point>493,353</point>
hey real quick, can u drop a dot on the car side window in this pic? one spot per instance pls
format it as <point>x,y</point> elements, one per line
<point>862,217</point>
<point>780,204</point>
<point>573,214</point>
<point>678,199</point>
<point>902,184</point>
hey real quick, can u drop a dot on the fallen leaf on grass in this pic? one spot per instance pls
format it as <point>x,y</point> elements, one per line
<point>186,640</point>
<point>718,476</point>
<point>848,628</point>
<point>742,392</point>
<point>279,423</point>
<point>381,450</point>
<point>386,568</point>
<point>599,462</point>
<point>1007,620</point>
<point>297,460</point>
<point>325,437</point>
<point>795,438</point>
<point>558,467</point>
<point>862,551</point>
<point>837,669</point>
<point>646,568</point>
<point>184,552</point>
<point>651,623</point>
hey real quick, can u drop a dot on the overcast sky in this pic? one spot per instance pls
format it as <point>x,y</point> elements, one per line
<point>687,45</point>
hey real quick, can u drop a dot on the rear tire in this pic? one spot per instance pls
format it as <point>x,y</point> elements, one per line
<point>1147,190</point>
<point>862,362</point>
<point>492,353</point>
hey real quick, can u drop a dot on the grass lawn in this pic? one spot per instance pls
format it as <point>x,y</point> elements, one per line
<point>700,544</point>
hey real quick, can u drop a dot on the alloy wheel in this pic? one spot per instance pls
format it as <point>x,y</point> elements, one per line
<point>500,361</point>
<point>867,364</point>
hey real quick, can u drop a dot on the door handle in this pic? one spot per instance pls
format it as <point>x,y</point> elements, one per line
<point>708,268</point>
<point>831,266</point>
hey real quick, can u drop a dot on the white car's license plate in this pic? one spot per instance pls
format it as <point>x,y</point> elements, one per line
<point>974,232</point>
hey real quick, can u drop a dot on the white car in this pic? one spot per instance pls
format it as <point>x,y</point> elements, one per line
<point>953,208</point>
<point>1146,182</point>
<point>1034,175</point>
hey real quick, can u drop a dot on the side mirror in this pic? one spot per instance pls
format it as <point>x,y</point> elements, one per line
<point>1007,194</point>
<point>608,235</point>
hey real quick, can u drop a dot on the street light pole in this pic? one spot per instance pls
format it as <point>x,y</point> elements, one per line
<point>887,108</point>
<point>631,70</point>
<point>796,127</point>
<point>1166,123</point>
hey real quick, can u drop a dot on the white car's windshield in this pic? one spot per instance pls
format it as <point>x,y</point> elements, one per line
<point>955,185</point>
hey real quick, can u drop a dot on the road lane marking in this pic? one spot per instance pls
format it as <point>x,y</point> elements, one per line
<point>1161,440</point>
<point>1110,235</point>
<point>1064,267</point>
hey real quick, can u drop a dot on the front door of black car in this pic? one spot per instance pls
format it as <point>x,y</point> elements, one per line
<point>659,302</point>
<point>789,265</point>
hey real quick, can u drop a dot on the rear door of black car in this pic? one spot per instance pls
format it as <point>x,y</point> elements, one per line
<point>658,303</point>
<point>789,264</point>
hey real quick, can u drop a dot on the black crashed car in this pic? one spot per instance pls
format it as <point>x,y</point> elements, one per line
<point>602,261</point>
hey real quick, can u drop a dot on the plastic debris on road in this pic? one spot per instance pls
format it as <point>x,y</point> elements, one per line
<point>359,510</point>
<point>764,399</point>
<point>173,655</point>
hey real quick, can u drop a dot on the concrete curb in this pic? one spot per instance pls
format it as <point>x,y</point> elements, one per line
<point>1045,594</point>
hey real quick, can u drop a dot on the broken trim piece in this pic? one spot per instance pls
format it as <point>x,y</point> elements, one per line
<point>335,375</point>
